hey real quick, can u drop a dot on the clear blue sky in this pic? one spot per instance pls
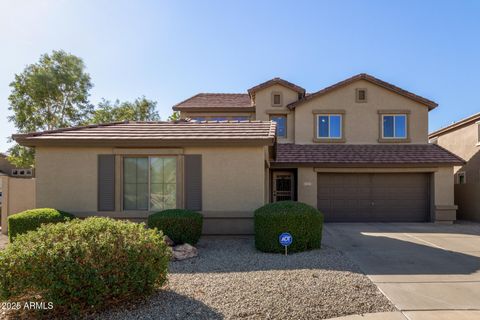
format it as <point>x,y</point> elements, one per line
<point>171,50</point>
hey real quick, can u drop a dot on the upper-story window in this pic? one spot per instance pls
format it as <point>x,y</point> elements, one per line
<point>361,95</point>
<point>277,99</point>
<point>329,126</point>
<point>281,121</point>
<point>394,126</point>
<point>198,119</point>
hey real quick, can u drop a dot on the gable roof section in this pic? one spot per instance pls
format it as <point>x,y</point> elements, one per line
<point>363,76</point>
<point>464,122</point>
<point>357,155</point>
<point>275,81</point>
<point>155,134</point>
<point>216,102</point>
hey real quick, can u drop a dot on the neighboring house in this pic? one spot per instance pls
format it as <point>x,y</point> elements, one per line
<point>7,169</point>
<point>357,150</point>
<point>10,170</point>
<point>463,139</point>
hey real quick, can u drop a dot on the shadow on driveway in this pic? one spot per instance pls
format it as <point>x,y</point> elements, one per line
<point>408,249</point>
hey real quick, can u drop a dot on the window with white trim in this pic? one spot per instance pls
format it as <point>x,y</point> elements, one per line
<point>394,126</point>
<point>329,126</point>
<point>149,183</point>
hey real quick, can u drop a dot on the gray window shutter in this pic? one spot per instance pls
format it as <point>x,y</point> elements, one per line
<point>106,182</point>
<point>193,182</point>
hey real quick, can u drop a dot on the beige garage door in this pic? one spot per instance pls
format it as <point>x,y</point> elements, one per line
<point>374,197</point>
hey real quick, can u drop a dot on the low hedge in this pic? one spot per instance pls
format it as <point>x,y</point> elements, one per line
<point>182,226</point>
<point>32,219</point>
<point>302,221</point>
<point>84,265</point>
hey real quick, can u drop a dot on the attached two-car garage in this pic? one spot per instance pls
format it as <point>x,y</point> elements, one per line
<point>374,197</point>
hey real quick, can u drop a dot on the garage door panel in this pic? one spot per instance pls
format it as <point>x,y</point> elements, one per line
<point>374,196</point>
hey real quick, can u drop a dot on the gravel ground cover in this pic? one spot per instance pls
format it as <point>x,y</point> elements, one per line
<point>231,280</point>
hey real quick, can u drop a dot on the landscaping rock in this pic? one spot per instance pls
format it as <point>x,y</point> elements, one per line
<point>232,280</point>
<point>168,241</point>
<point>184,251</point>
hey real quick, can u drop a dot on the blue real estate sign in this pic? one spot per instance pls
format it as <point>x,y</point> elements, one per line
<point>285,239</point>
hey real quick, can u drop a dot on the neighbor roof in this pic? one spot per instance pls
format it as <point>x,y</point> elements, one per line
<point>216,102</point>
<point>363,76</point>
<point>464,122</point>
<point>352,155</point>
<point>155,134</point>
<point>274,81</point>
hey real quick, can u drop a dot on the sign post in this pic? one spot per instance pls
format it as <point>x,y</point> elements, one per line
<point>285,240</point>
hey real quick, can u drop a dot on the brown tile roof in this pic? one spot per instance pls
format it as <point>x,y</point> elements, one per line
<point>363,76</point>
<point>464,122</point>
<point>364,155</point>
<point>138,134</point>
<point>216,102</point>
<point>279,81</point>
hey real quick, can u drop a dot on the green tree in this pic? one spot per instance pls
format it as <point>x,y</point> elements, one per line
<point>142,109</point>
<point>50,94</point>
<point>175,116</point>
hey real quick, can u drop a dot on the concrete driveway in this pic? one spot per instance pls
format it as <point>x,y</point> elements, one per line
<point>421,267</point>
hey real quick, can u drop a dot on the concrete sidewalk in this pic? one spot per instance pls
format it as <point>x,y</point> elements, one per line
<point>416,315</point>
<point>428,271</point>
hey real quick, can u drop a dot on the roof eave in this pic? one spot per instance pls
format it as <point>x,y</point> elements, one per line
<point>275,81</point>
<point>268,141</point>
<point>364,165</point>
<point>459,124</point>
<point>215,109</point>
<point>363,76</point>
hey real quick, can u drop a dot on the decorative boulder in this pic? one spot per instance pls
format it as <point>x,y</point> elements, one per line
<point>168,241</point>
<point>183,251</point>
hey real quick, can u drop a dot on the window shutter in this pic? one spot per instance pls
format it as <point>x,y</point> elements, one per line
<point>106,182</point>
<point>193,182</point>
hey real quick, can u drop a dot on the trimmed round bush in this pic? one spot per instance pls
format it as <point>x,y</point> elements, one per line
<point>302,221</point>
<point>182,226</point>
<point>30,220</point>
<point>84,265</point>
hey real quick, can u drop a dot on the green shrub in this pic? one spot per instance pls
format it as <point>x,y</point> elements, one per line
<point>84,265</point>
<point>182,226</point>
<point>32,219</point>
<point>302,221</point>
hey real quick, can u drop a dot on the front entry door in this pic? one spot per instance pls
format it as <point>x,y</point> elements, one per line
<point>282,186</point>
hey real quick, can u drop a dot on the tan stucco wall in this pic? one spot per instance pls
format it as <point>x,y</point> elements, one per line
<point>66,178</point>
<point>233,182</point>
<point>464,142</point>
<point>264,108</point>
<point>467,197</point>
<point>18,196</point>
<point>233,178</point>
<point>362,121</point>
<point>307,186</point>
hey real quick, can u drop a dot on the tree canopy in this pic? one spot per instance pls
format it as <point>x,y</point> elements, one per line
<point>47,95</point>
<point>54,93</point>
<point>142,109</point>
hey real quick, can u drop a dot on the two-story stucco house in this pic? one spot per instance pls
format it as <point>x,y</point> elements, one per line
<point>358,150</point>
<point>463,139</point>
